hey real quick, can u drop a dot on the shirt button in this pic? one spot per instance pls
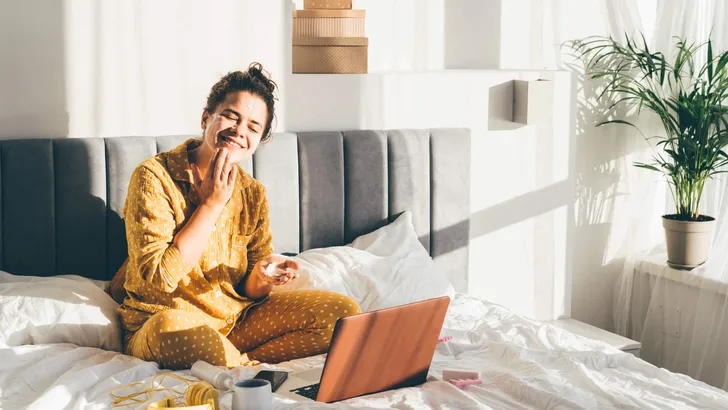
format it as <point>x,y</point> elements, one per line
<point>214,263</point>
<point>229,321</point>
<point>218,293</point>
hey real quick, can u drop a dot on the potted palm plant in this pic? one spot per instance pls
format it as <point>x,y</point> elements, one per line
<point>687,93</point>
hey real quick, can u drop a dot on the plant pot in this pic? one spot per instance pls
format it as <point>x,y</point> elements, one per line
<point>688,242</point>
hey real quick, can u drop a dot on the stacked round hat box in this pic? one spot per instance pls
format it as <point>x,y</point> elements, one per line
<point>328,37</point>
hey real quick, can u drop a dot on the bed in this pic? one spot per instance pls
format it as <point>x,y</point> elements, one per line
<point>331,194</point>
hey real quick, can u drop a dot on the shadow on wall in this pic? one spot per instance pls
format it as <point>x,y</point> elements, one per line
<point>32,72</point>
<point>600,166</point>
<point>520,208</point>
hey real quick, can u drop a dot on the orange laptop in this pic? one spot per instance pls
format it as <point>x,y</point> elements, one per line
<point>373,352</point>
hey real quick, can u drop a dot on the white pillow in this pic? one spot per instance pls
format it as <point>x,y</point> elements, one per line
<point>397,239</point>
<point>385,268</point>
<point>405,272</point>
<point>328,269</point>
<point>57,309</point>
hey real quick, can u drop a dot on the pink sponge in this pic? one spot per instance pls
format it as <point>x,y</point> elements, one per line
<point>448,375</point>
<point>461,378</point>
<point>464,382</point>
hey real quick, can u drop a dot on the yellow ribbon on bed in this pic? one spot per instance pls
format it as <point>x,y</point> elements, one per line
<point>198,395</point>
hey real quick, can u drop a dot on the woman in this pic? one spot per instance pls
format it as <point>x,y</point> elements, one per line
<point>198,231</point>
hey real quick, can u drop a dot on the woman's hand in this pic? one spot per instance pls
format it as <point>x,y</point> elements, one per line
<point>267,273</point>
<point>216,187</point>
<point>276,270</point>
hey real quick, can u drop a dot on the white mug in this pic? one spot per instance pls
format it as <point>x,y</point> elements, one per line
<point>252,394</point>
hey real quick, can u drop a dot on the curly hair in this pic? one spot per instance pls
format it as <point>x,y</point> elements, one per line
<point>254,80</point>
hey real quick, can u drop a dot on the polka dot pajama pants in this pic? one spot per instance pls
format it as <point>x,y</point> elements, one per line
<point>289,325</point>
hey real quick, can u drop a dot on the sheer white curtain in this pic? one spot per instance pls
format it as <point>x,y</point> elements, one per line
<point>145,68</point>
<point>681,317</point>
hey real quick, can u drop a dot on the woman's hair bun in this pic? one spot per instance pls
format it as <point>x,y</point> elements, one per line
<point>257,71</point>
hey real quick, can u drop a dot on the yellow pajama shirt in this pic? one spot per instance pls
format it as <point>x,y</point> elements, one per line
<point>175,314</point>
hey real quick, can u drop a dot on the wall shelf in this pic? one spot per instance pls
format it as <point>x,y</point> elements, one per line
<point>395,99</point>
<point>517,103</point>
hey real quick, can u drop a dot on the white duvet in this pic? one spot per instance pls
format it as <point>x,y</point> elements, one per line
<point>524,365</point>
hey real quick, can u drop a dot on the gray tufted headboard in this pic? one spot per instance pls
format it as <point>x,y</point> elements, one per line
<point>60,199</point>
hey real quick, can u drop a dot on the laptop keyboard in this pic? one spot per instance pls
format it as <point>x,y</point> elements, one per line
<point>310,391</point>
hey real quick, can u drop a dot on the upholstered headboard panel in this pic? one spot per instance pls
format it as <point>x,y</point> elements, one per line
<point>60,199</point>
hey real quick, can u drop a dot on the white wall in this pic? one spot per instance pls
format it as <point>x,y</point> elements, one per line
<point>88,68</point>
<point>491,33</point>
<point>522,181</point>
<point>522,261</point>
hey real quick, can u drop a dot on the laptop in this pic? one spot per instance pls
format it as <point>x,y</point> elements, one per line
<point>372,352</point>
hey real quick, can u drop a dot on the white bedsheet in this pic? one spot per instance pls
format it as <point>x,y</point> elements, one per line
<point>524,364</point>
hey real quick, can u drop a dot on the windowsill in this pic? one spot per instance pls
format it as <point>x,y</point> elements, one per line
<point>592,332</point>
<point>654,263</point>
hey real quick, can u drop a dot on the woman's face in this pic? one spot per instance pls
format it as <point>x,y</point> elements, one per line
<point>237,124</point>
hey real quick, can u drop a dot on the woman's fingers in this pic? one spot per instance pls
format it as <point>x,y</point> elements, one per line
<point>213,161</point>
<point>227,168</point>
<point>196,176</point>
<point>231,175</point>
<point>220,164</point>
<point>287,277</point>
